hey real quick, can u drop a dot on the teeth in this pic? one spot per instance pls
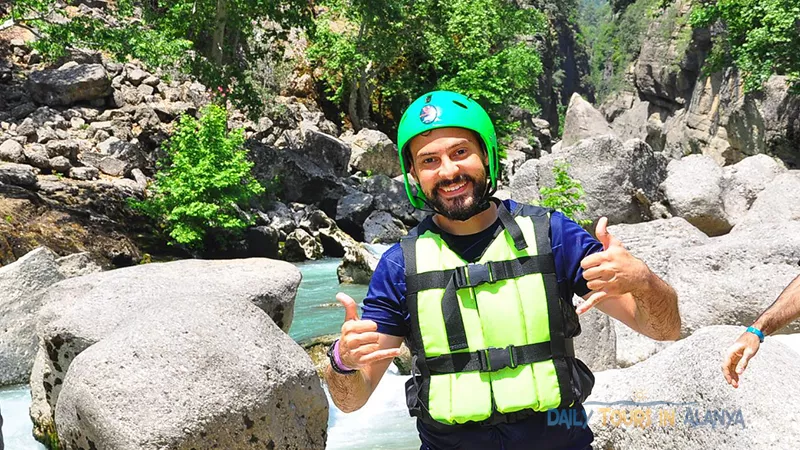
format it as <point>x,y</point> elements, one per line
<point>454,188</point>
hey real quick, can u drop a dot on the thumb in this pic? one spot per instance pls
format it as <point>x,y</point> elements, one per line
<point>603,235</point>
<point>350,307</point>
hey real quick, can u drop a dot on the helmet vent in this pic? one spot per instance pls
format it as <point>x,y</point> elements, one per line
<point>460,104</point>
<point>428,99</point>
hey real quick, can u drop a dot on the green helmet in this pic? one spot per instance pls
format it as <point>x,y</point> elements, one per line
<point>442,109</point>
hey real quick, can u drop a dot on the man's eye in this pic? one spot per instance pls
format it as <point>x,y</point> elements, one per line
<point>427,160</point>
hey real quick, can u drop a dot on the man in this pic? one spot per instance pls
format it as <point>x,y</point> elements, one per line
<point>782,312</point>
<point>481,290</point>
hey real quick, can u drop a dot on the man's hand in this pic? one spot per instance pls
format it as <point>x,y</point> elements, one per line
<point>738,355</point>
<point>358,345</point>
<point>612,272</point>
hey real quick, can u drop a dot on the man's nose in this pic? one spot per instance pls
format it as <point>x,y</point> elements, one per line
<point>448,169</point>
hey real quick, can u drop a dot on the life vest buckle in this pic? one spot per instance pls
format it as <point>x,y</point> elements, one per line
<point>493,359</point>
<point>473,275</point>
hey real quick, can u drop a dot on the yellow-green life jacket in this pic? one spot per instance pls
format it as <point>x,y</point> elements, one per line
<point>488,338</point>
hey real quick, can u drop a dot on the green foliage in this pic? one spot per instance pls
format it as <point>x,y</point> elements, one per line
<point>204,178</point>
<point>222,42</point>
<point>380,55</point>
<point>566,195</point>
<point>615,42</point>
<point>761,38</point>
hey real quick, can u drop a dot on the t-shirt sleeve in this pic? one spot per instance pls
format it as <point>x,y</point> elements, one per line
<point>385,301</point>
<point>571,243</point>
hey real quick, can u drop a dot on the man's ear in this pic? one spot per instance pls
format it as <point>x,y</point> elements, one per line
<point>412,174</point>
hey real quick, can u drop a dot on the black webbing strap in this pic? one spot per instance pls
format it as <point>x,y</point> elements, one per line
<point>493,359</point>
<point>511,226</point>
<point>558,341</point>
<point>409,246</point>
<point>473,275</point>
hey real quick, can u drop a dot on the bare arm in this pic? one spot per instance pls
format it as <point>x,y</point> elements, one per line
<point>783,311</point>
<point>362,348</point>
<point>626,289</point>
<point>351,392</point>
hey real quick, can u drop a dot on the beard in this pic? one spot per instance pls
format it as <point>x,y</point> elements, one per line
<point>463,207</point>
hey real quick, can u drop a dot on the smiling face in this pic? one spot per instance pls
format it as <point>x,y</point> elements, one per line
<point>450,165</point>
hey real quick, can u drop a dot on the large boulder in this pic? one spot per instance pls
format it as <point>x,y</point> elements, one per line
<point>372,152</point>
<point>582,121</point>
<point>381,228</point>
<point>300,246</point>
<point>733,278</point>
<point>389,195</point>
<point>230,375</point>
<point>744,181</point>
<point>358,265</point>
<point>69,84</point>
<point>17,174</point>
<point>596,345</point>
<point>778,202</point>
<point>620,180</point>
<point>196,294</point>
<point>327,152</point>
<point>678,399</point>
<point>352,211</point>
<point>22,284</point>
<point>693,190</point>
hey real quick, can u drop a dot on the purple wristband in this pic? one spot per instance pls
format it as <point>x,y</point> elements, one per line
<point>338,359</point>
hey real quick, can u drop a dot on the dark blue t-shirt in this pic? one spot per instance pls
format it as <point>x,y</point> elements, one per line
<point>385,304</point>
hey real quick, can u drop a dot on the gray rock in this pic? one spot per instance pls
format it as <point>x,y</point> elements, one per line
<point>147,118</point>
<point>68,149</point>
<point>77,265</point>
<point>23,110</point>
<point>84,82</point>
<point>145,89</point>
<point>328,152</point>
<point>705,407</point>
<point>84,173</point>
<point>168,111</point>
<point>582,121</point>
<point>112,166</point>
<point>37,157</point>
<point>21,286</point>
<point>777,203</point>
<point>733,278</point>
<point>620,181</point>
<point>656,241</point>
<point>693,189</point>
<point>596,346</point>
<point>45,134</point>
<point>352,211</point>
<point>390,195</point>
<point>11,151</point>
<point>380,227</point>
<point>372,152</point>
<point>27,128</point>
<point>301,246</point>
<point>60,164</point>
<point>17,174</point>
<point>196,297</point>
<point>152,81</point>
<point>358,265</point>
<point>137,76</point>
<point>263,242</point>
<point>742,182</point>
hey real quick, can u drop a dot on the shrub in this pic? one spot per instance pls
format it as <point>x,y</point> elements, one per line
<point>566,195</point>
<point>202,181</point>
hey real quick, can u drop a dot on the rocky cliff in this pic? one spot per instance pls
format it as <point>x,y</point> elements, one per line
<point>677,108</point>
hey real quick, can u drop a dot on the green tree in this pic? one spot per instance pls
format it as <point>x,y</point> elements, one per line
<point>380,55</point>
<point>761,38</point>
<point>566,195</point>
<point>203,181</point>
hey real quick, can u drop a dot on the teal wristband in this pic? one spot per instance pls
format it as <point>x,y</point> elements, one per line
<point>757,332</point>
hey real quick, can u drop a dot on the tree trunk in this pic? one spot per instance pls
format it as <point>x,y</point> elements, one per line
<point>365,105</point>
<point>352,105</point>
<point>218,39</point>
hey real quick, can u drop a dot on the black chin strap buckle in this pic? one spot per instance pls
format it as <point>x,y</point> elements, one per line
<point>473,275</point>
